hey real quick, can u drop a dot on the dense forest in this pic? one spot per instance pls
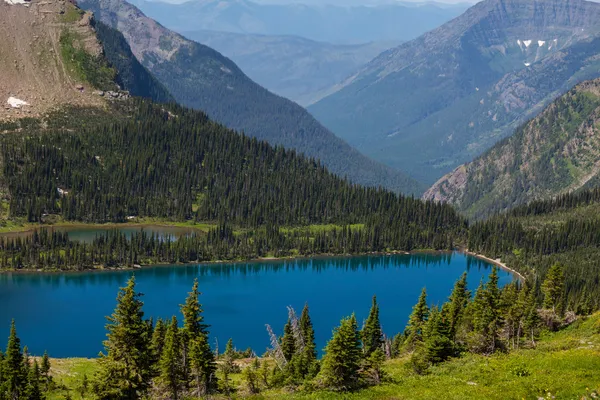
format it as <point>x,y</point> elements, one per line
<point>145,160</point>
<point>534,237</point>
<point>161,359</point>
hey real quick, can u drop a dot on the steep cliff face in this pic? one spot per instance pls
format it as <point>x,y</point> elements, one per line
<point>447,96</point>
<point>45,49</point>
<point>556,152</point>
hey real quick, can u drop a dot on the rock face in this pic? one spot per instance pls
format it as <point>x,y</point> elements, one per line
<point>442,99</point>
<point>35,77</point>
<point>556,152</point>
<point>201,78</point>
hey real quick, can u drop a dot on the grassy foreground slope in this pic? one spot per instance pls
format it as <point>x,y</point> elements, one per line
<point>564,365</point>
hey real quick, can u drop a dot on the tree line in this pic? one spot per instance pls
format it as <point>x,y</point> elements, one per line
<point>52,250</point>
<point>172,359</point>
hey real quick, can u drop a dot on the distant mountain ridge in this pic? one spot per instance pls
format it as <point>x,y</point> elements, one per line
<point>199,77</point>
<point>290,66</point>
<point>348,24</point>
<point>440,100</point>
<point>555,153</point>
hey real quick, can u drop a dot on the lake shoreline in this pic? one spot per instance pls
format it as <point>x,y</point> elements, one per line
<point>498,262</point>
<point>265,259</point>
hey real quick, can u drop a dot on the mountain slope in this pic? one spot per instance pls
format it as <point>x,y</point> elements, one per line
<point>44,65</point>
<point>201,78</point>
<point>556,152</point>
<point>290,66</point>
<point>444,98</point>
<point>323,22</point>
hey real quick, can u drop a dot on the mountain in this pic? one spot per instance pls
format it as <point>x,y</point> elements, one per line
<point>340,24</point>
<point>555,153</point>
<point>444,98</point>
<point>200,77</point>
<point>290,66</point>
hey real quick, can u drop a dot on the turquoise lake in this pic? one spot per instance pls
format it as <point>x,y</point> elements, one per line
<point>65,313</point>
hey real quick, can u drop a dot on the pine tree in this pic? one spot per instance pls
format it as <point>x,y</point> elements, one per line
<point>553,288</point>
<point>15,379</point>
<point>158,339</point>
<point>125,369</point>
<point>532,318</point>
<point>33,385</point>
<point>310,365</point>
<point>341,361</point>
<point>228,366</point>
<point>45,370</point>
<point>202,367</point>
<point>372,334</point>
<point>288,343</point>
<point>171,378</point>
<point>437,343</point>
<point>457,304</point>
<point>373,366</point>
<point>251,377</point>
<point>416,322</point>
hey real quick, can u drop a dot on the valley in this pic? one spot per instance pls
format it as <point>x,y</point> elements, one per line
<point>255,254</point>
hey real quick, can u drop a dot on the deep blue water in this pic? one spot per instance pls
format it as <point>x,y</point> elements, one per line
<point>64,314</point>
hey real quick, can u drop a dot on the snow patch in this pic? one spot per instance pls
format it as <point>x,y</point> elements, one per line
<point>541,43</point>
<point>16,103</point>
<point>527,64</point>
<point>16,2</point>
<point>519,42</point>
<point>527,43</point>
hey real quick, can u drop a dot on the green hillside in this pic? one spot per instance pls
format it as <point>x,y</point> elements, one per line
<point>557,152</point>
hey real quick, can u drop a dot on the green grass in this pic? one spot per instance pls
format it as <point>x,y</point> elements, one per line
<point>564,365</point>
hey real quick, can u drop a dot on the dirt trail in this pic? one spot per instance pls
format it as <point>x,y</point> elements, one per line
<point>31,66</point>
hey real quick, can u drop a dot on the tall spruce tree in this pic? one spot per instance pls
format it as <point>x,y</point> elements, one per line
<point>125,369</point>
<point>45,370</point>
<point>288,342</point>
<point>14,375</point>
<point>372,334</point>
<point>416,322</point>
<point>341,361</point>
<point>457,303</point>
<point>158,339</point>
<point>553,288</point>
<point>308,333</point>
<point>437,344</point>
<point>34,391</point>
<point>195,333</point>
<point>172,377</point>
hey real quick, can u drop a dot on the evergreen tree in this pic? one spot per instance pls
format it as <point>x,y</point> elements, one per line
<point>288,343</point>
<point>310,365</point>
<point>228,366</point>
<point>45,370</point>
<point>438,345</point>
<point>158,339</point>
<point>532,318</point>
<point>202,367</point>
<point>15,379</point>
<point>125,369</point>
<point>372,334</point>
<point>341,361</point>
<point>553,288</point>
<point>251,377</point>
<point>373,366</point>
<point>171,378</point>
<point>84,386</point>
<point>457,304</point>
<point>193,321</point>
<point>33,385</point>
<point>416,322</point>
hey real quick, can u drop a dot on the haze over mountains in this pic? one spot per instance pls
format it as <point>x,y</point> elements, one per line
<point>444,98</point>
<point>200,77</point>
<point>323,22</point>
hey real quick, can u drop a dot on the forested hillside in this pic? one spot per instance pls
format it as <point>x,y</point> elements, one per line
<point>555,153</point>
<point>533,238</point>
<point>138,159</point>
<point>201,78</point>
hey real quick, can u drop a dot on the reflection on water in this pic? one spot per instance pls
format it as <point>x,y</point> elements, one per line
<point>64,313</point>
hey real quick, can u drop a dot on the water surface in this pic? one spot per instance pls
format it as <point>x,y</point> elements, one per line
<point>65,313</point>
